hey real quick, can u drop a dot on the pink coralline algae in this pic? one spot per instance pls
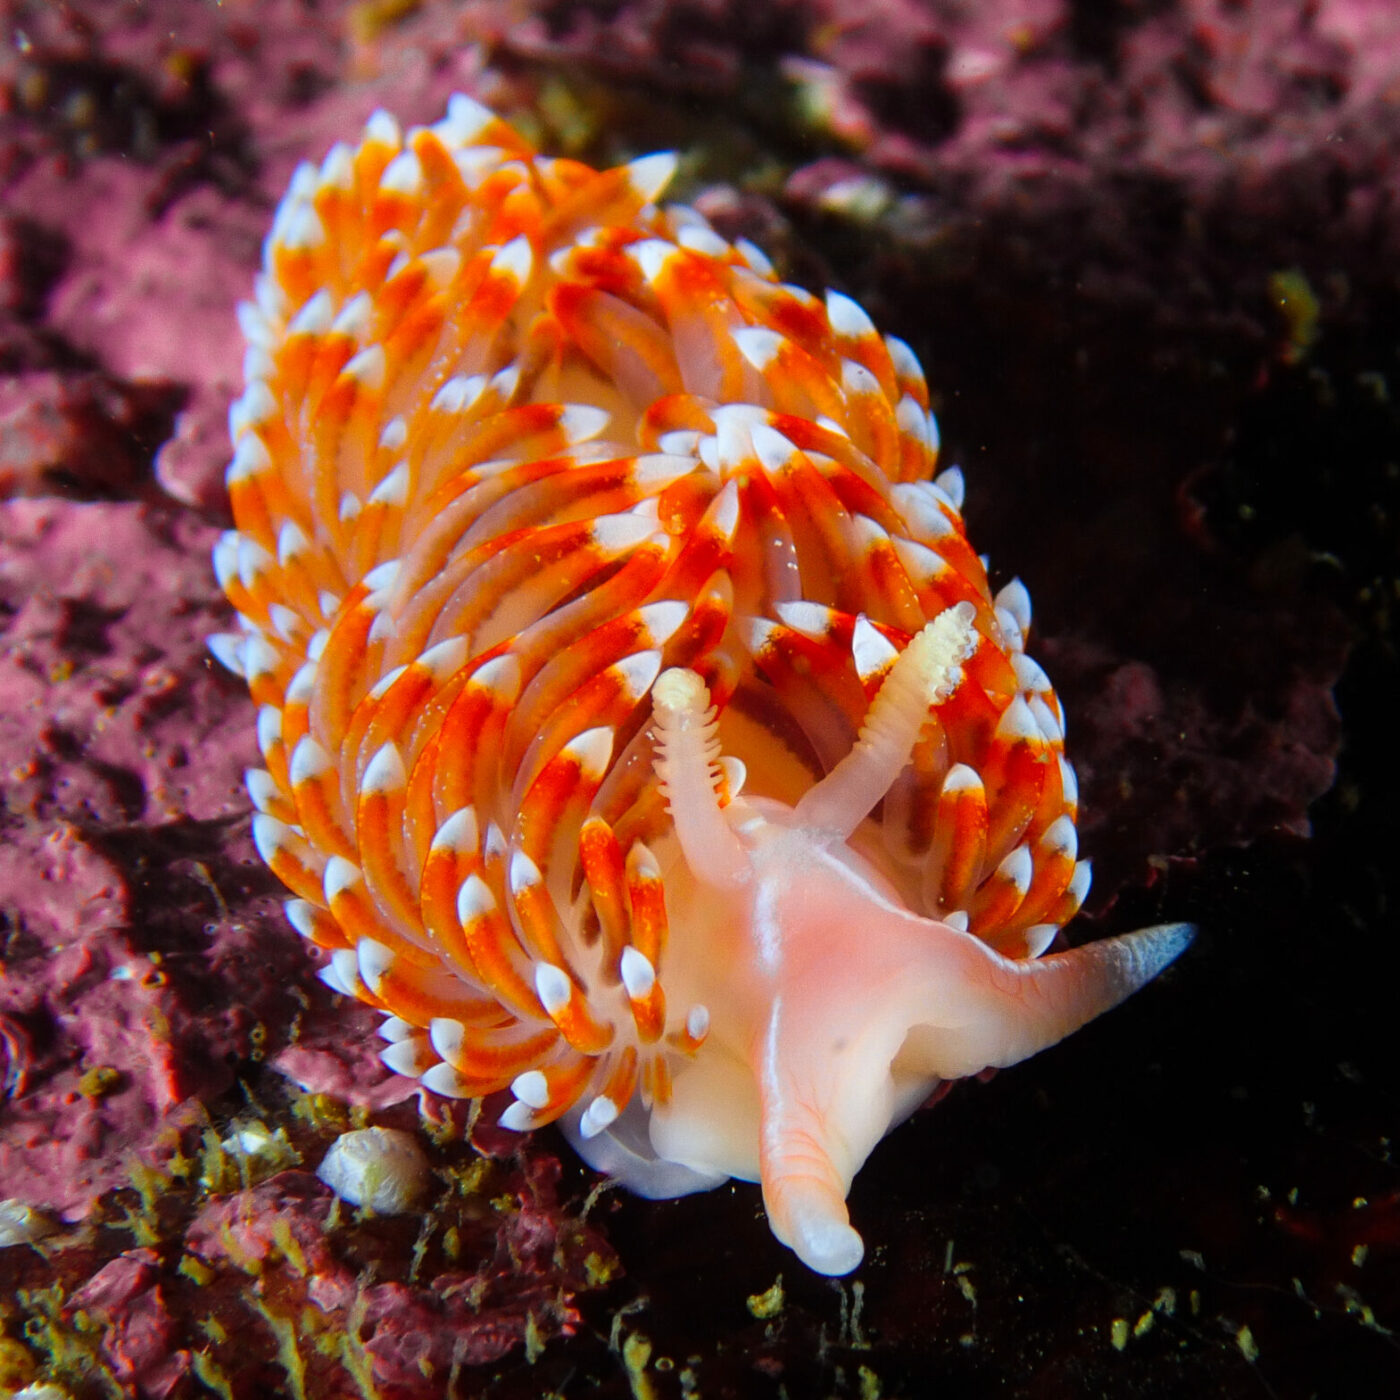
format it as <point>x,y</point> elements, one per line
<point>509,1273</point>
<point>295,1293</point>
<point>125,1299</point>
<point>104,703</point>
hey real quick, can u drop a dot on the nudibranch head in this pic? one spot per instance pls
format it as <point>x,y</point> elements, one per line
<point>640,731</point>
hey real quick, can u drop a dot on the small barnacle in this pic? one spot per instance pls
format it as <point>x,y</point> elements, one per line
<point>381,1169</point>
<point>22,1224</point>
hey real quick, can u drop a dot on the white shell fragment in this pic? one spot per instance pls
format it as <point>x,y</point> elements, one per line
<point>382,1168</point>
<point>21,1224</point>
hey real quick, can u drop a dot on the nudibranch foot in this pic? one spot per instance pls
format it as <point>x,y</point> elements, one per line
<point>640,731</point>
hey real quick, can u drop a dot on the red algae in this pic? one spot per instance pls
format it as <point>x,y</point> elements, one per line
<point>275,1288</point>
<point>492,1270</point>
<point>125,1299</point>
<point>105,700</point>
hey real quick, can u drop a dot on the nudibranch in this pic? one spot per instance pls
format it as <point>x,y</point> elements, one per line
<point>639,730</point>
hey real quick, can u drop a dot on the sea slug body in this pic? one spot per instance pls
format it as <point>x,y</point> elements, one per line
<point>639,730</point>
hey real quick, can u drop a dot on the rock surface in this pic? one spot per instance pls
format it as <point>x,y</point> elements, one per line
<point>1147,254</point>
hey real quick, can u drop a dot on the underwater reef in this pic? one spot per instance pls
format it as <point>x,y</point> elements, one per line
<point>1146,254</point>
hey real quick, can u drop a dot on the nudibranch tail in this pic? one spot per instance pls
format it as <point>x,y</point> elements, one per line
<point>639,730</point>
